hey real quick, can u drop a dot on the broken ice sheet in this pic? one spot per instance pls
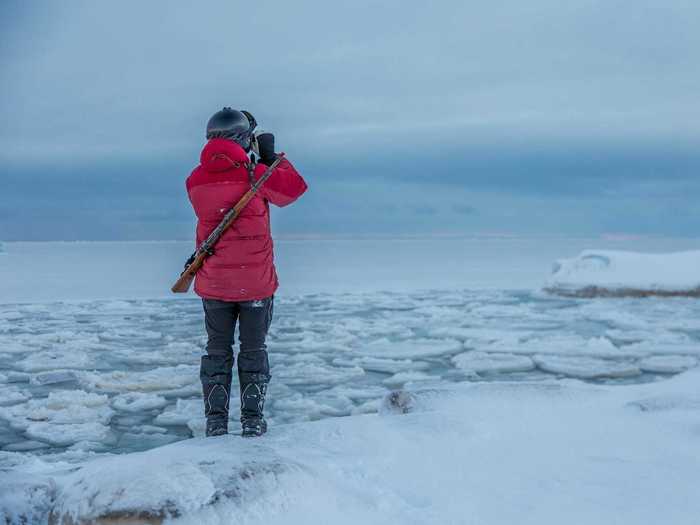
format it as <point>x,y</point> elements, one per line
<point>668,364</point>
<point>585,367</point>
<point>482,362</point>
<point>412,348</point>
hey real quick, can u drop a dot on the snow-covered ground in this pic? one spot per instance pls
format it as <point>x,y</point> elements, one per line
<point>548,452</point>
<point>525,407</point>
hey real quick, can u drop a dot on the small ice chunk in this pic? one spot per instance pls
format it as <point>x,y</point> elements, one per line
<point>378,364</point>
<point>307,407</point>
<point>68,434</point>
<point>129,334</point>
<point>17,377</point>
<point>11,395</point>
<point>171,354</point>
<point>482,362</point>
<point>53,377</point>
<point>160,379</point>
<point>138,402</point>
<point>368,407</point>
<point>57,359</point>
<point>585,367</point>
<point>402,378</point>
<point>375,364</point>
<point>316,374</point>
<point>411,348</point>
<point>11,315</point>
<point>668,364</point>
<point>27,445</point>
<point>181,412</point>
<point>61,407</point>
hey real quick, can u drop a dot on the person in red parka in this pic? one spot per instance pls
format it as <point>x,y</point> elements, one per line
<point>237,283</point>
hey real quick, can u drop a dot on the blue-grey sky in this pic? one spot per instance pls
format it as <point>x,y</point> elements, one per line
<point>539,117</point>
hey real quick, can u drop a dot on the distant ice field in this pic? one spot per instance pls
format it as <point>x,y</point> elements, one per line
<point>97,356</point>
<point>67,271</point>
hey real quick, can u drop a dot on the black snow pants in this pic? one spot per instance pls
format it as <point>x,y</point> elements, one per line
<point>253,318</point>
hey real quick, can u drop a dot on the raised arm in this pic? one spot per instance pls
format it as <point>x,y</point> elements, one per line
<point>285,185</point>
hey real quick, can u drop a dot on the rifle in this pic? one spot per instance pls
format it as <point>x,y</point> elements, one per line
<point>196,260</point>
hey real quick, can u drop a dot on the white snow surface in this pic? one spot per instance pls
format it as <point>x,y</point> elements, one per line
<point>493,453</point>
<point>627,271</point>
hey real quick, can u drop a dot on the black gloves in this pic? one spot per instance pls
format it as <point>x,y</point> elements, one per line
<point>266,147</point>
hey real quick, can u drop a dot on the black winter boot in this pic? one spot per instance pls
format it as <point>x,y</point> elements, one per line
<point>215,373</point>
<point>253,390</point>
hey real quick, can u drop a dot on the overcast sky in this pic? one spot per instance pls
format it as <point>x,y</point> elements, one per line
<point>541,117</point>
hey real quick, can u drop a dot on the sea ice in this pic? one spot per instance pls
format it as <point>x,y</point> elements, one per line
<point>181,412</point>
<point>138,402</point>
<point>57,359</point>
<point>70,433</point>
<point>10,395</point>
<point>482,362</point>
<point>668,364</point>
<point>161,379</point>
<point>411,349</point>
<point>377,364</point>
<point>316,374</point>
<point>309,408</point>
<point>53,377</point>
<point>619,273</point>
<point>585,367</point>
<point>402,378</point>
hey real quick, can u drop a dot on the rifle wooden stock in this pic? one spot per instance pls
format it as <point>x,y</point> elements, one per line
<point>182,285</point>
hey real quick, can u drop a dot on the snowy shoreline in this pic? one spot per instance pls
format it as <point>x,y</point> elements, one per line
<point>545,452</point>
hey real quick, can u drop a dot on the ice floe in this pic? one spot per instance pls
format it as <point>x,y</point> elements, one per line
<point>183,411</point>
<point>411,349</point>
<point>53,377</point>
<point>401,378</point>
<point>668,364</point>
<point>60,407</point>
<point>326,362</point>
<point>482,362</point>
<point>63,418</point>
<point>618,274</point>
<point>97,434</point>
<point>161,379</point>
<point>10,395</point>
<point>138,402</point>
<point>585,367</point>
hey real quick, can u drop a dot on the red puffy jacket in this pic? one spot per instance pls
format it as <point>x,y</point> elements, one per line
<point>242,267</point>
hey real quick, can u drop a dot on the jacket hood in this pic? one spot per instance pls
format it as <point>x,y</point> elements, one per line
<point>222,154</point>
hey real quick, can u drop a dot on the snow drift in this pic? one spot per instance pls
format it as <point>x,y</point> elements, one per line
<point>497,453</point>
<point>600,273</point>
